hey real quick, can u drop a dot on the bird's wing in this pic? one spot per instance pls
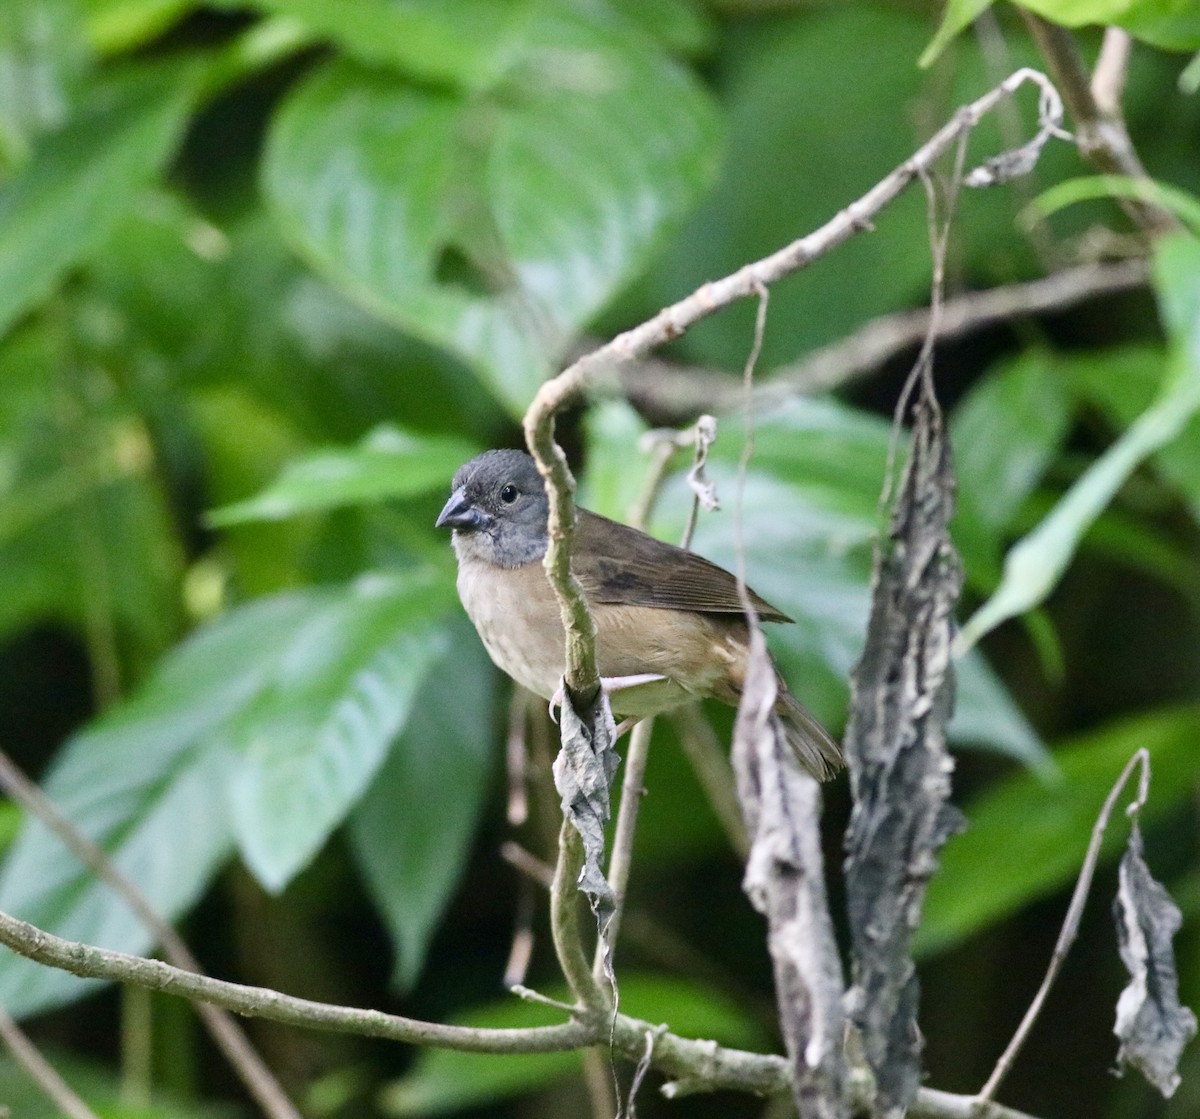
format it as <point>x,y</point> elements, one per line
<point>618,564</point>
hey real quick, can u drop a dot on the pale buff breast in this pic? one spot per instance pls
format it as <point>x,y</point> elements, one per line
<point>517,619</point>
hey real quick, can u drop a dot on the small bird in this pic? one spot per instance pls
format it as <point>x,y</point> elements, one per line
<point>669,624</point>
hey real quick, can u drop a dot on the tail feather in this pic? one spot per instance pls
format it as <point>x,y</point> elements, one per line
<point>812,743</point>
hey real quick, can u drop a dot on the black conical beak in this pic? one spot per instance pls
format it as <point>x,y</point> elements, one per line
<point>458,512</point>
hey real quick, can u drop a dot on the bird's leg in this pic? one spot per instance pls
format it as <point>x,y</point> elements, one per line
<point>610,685</point>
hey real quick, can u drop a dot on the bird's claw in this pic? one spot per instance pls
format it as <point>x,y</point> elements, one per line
<point>609,685</point>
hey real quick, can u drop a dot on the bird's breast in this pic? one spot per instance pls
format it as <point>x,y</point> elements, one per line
<point>516,615</point>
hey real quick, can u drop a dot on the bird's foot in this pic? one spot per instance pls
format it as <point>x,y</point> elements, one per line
<point>610,685</point>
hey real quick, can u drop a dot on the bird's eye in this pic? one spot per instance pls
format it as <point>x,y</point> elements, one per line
<point>509,494</point>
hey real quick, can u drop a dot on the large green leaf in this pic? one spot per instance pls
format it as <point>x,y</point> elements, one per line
<point>146,782</point>
<point>337,694</point>
<point>466,44</point>
<point>1033,567</point>
<point>386,463</point>
<point>62,205</point>
<point>411,831</point>
<point>285,706</point>
<point>443,1081</point>
<point>1027,836</point>
<point>494,225</point>
<point>1005,433</point>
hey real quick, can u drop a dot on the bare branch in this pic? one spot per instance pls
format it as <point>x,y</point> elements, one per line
<point>570,385</point>
<point>695,1065</point>
<point>1100,132</point>
<point>41,1071</point>
<point>1111,70</point>
<point>633,788</point>
<point>90,962</point>
<point>229,1036</point>
<point>711,765</point>
<point>670,390</point>
<point>1070,928</point>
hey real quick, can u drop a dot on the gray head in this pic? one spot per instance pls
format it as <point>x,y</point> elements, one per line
<point>498,509</point>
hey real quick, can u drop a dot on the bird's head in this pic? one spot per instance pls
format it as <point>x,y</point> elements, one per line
<point>498,509</point>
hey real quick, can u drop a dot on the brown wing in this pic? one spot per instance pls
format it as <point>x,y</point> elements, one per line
<point>618,564</point>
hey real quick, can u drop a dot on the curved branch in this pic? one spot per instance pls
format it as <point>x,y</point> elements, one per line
<point>90,962</point>
<point>1101,135</point>
<point>696,1065</point>
<point>570,386</point>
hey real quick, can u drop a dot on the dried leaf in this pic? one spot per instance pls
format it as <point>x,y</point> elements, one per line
<point>785,881</point>
<point>1151,1025</point>
<point>704,489</point>
<point>583,773</point>
<point>899,766</point>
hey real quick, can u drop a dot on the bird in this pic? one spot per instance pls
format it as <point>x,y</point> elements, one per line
<point>670,625</point>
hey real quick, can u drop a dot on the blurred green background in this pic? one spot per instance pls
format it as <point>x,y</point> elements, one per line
<point>271,269</point>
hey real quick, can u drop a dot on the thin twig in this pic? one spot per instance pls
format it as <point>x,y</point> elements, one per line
<point>1100,134</point>
<point>582,680</point>
<point>535,869</point>
<point>675,390</point>
<point>633,788</point>
<point>1111,70</point>
<point>872,345</point>
<point>520,952</point>
<point>229,1036</point>
<point>516,757</point>
<point>42,1072</point>
<point>1070,928</point>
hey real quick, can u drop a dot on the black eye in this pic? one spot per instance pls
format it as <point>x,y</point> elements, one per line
<point>509,494</point>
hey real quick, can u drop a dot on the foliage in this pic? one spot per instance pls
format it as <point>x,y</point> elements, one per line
<point>270,269</point>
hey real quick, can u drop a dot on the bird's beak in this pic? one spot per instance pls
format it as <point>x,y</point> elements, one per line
<point>458,512</point>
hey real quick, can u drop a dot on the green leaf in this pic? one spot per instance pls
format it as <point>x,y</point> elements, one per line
<point>1183,204</point>
<point>1123,383</point>
<point>495,225</point>
<point>339,691</point>
<point>443,1081</point>
<point>122,25</point>
<point>386,463</point>
<point>465,44</point>
<point>99,1085</point>
<point>782,147</point>
<point>412,829</point>
<point>286,705</point>
<point>810,515</point>
<point>959,15</point>
<point>60,207</point>
<point>1034,565</point>
<point>1026,837</point>
<point>43,57</point>
<point>1170,24</point>
<point>1006,432</point>
<point>147,783</point>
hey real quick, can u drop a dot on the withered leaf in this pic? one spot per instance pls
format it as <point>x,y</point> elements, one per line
<point>1151,1025</point>
<point>785,881</point>
<point>899,766</point>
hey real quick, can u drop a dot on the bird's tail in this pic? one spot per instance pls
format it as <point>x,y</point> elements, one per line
<point>812,743</point>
